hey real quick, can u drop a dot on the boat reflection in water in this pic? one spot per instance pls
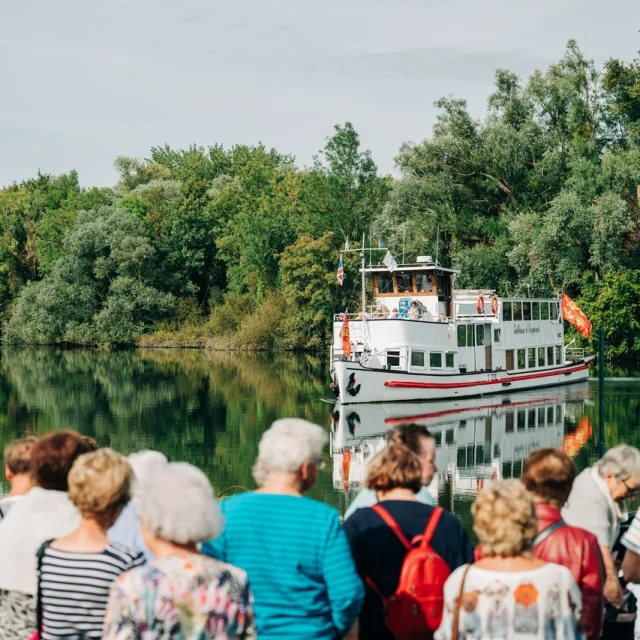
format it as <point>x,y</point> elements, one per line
<point>477,439</point>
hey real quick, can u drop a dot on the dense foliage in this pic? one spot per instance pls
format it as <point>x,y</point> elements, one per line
<point>238,247</point>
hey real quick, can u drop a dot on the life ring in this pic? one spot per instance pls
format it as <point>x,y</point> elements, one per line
<point>480,305</point>
<point>494,306</point>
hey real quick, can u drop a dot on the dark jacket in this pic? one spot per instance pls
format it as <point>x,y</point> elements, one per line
<point>578,550</point>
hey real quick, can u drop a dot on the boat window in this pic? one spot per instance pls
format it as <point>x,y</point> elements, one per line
<point>449,436</point>
<point>417,358</point>
<point>393,358</point>
<point>437,436</point>
<point>470,341</point>
<point>541,356</point>
<point>385,283</point>
<point>440,284</point>
<point>509,422</point>
<point>554,310</point>
<point>550,356</point>
<point>480,334</point>
<point>517,311</point>
<point>526,311</point>
<point>509,360</point>
<point>497,335</point>
<point>403,280</point>
<point>522,363</point>
<point>531,418</point>
<point>466,309</point>
<point>544,311</point>
<point>522,419</point>
<point>451,360</point>
<point>558,354</point>
<point>423,281</point>
<point>550,419</point>
<point>506,311</point>
<point>558,414</point>
<point>532,358</point>
<point>535,311</point>
<point>435,360</point>
<point>541,416</point>
<point>462,335</point>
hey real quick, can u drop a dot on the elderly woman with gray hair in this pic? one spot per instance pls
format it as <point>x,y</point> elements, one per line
<point>293,549</point>
<point>596,504</point>
<point>181,593</point>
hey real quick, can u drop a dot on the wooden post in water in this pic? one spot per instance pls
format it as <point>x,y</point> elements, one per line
<point>601,393</point>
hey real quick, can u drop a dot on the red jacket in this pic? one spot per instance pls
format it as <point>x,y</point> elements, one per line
<point>578,550</point>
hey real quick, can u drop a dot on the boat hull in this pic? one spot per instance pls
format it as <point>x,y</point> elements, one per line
<point>354,383</point>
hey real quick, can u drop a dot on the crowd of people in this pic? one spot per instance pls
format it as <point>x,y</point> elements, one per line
<point>96,545</point>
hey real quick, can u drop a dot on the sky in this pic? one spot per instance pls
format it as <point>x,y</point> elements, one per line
<point>82,82</point>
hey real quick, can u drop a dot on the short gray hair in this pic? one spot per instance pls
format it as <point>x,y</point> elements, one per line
<point>286,446</point>
<point>145,462</point>
<point>622,461</point>
<point>176,503</point>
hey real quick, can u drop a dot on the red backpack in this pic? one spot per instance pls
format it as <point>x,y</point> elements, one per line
<point>414,611</point>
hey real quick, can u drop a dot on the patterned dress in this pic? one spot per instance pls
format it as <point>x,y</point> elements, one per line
<point>181,597</point>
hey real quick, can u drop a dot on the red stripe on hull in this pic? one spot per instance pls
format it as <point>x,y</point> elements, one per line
<point>478,383</point>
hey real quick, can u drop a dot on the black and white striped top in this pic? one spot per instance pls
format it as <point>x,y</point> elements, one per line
<point>75,589</point>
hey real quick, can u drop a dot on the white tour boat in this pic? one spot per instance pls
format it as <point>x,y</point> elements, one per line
<point>425,340</point>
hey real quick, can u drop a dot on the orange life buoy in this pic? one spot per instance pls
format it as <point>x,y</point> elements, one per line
<point>480,304</point>
<point>494,305</point>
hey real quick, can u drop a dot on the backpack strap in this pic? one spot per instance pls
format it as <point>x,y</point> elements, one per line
<point>392,524</point>
<point>40,557</point>
<point>430,529</point>
<point>543,535</point>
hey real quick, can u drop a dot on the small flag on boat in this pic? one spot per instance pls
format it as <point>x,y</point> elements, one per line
<point>572,313</point>
<point>346,244</point>
<point>346,336</point>
<point>340,272</point>
<point>380,244</point>
<point>389,261</point>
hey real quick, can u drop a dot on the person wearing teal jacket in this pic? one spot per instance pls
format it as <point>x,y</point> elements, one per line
<point>417,438</point>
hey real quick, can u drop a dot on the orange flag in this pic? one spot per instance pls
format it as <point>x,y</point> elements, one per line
<point>345,335</point>
<point>573,442</point>
<point>571,313</point>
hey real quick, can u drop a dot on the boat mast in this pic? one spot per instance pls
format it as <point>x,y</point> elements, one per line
<point>364,298</point>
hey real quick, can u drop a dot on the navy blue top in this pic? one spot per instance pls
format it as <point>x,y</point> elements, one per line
<point>379,554</point>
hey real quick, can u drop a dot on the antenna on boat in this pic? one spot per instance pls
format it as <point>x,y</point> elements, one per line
<point>364,294</point>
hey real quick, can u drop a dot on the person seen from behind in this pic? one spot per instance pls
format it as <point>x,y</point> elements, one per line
<point>596,504</point>
<point>42,514</point>
<point>395,474</point>
<point>417,438</point>
<point>509,593</point>
<point>17,471</point>
<point>75,571</point>
<point>181,593</point>
<point>293,549</point>
<point>548,474</point>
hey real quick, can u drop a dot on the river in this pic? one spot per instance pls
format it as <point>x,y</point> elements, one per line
<point>210,408</point>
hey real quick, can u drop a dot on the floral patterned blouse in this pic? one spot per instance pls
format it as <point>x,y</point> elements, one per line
<point>180,597</point>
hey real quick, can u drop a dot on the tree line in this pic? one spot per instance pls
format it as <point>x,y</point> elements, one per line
<point>238,248</point>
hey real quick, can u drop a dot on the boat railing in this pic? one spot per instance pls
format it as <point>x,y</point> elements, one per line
<point>574,353</point>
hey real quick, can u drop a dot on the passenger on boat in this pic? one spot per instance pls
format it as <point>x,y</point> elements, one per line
<point>44,513</point>
<point>548,474</point>
<point>17,471</point>
<point>394,313</point>
<point>415,312</point>
<point>126,529</point>
<point>395,474</point>
<point>75,571</point>
<point>417,438</point>
<point>181,593</point>
<point>293,549</point>
<point>596,504</point>
<point>509,593</point>
<point>442,318</point>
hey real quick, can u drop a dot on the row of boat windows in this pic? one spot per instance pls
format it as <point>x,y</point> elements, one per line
<point>409,283</point>
<point>467,337</point>
<point>533,357</point>
<point>418,359</point>
<point>519,311</point>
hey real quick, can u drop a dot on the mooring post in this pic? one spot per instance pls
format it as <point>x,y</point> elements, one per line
<point>601,392</point>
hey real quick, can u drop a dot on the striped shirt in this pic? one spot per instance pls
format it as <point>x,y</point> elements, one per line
<point>75,589</point>
<point>298,561</point>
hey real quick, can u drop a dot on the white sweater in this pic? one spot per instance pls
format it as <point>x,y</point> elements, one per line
<point>41,515</point>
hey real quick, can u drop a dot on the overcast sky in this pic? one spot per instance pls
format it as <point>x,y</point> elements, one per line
<point>82,81</point>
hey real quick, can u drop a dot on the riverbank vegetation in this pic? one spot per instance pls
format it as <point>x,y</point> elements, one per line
<point>238,248</point>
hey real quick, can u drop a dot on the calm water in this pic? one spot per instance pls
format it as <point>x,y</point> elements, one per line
<point>211,408</point>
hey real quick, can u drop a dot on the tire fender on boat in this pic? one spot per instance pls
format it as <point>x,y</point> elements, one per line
<point>480,304</point>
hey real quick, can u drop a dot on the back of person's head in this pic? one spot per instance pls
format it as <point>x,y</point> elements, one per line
<point>622,462</point>
<point>100,482</point>
<point>409,434</point>
<point>53,456</point>
<point>396,466</point>
<point>286,446</point>
<point>176,503</point>
<point>549,474</point>
<point>17,456</point>
<point>504,519</point>
<point>145,462</point>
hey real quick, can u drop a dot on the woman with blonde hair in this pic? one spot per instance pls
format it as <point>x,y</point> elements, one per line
<point>76,570</point>
<point>509,593</point>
